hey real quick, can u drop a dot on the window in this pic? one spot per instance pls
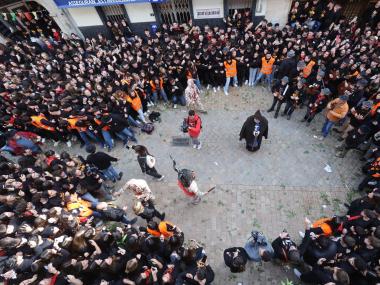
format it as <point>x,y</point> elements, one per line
<point>261,7</point>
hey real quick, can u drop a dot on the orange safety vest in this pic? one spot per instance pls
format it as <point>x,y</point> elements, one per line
<point>374,109</point>
<point>267,66</point>
<point>231,70</point>
<point>36,121</point>
<point>135,102</point>
<point>154,87</point>
<point>163,227</point>
<point>322,223</point>
<point>72,125</point>
<point>99,122</point>
<point>308,68</point>
<point>153,232</point>
<point>82,205</point>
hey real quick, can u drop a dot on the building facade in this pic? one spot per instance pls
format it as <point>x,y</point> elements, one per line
<point>87,18</point>
<point>91,19</point>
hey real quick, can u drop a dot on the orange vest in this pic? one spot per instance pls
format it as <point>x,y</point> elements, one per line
<point>99,122</point>
<point>153,232</point>
<point>36,121</point>
<point>322,223</point>
<point>82,205</point>
<point>267,66</point>
<point>231,70</point>
<point>163,227</point>
<point>135,102</point>
<point>154,87</point>
<point>72,125</point>
<point>308,68</point>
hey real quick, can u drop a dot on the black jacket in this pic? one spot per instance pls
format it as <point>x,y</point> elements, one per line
<point>101,160</point>
<point>288,67</point>
<point>249,127</point>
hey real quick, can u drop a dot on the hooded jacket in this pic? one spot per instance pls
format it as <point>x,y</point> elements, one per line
<point>249,126</point>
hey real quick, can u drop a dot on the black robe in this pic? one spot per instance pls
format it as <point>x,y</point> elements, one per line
<point>248,129</point>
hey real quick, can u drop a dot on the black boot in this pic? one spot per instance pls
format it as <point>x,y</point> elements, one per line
<point>276,115</point>
<point>270,110</point>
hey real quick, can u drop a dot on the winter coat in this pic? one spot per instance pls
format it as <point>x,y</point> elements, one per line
<point>249,127</point>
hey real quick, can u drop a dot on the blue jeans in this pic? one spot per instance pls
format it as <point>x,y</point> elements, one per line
<point>179,100</point>
<point>108,139</point>
<point>327,127</point>
<point>162,95</point>
<point>126,134</point>
<point>110,173</point>
<point>268,79</point>
<point>88,197</point>
<point>252,75</point>
<point>84,136</point>
<point>141,115</point>
<point>133,122</point>
<point>197,83</point>
<point>228,80</point>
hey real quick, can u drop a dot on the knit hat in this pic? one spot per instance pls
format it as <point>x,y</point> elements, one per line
<point>321,73</point>
<point>343,97</point>
<point>291,53</point>
<point>367,104</point>
<point>326,91</point>
<point>301,65</point>
<point>285,79</point>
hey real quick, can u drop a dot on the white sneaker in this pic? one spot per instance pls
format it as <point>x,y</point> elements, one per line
<point>214,89</point>
<point>235,85</point>
<point>297,273</point>
<point>149,104</point>
<point>175,106</point>
<point>194,146</point>
<point>161,178</point>
<point>43,140</point>
<point>208,86</point>
<point>68,143</point>
<point>199,146</point>
<point>226,93</point>
<point>218,88</point>
<point>56,143</point>
<point>246,82</point>
<point>302,234</point>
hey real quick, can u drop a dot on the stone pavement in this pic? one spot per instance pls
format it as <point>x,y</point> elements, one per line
<point>270,190</point>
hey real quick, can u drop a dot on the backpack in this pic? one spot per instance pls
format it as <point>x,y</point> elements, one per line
<point>186,177</point>
<point>147,128</point>
<point>155,116</point>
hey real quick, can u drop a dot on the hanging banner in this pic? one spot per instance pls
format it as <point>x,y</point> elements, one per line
<point>88,3</point>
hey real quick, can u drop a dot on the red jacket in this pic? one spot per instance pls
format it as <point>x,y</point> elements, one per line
<point>194,126</point>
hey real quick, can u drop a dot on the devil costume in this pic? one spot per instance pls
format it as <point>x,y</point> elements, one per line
<point>253,130</point>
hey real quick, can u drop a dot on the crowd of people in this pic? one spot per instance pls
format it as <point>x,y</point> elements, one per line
<point>59,225</point>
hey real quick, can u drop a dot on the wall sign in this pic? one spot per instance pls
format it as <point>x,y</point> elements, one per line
<point>88,3</point>
<point>207,13</point>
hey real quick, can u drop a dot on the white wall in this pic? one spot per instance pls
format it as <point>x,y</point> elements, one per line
<point>209,4</point>
<point>85,16</point>
<point>277,11</point>
<point>140,12</point>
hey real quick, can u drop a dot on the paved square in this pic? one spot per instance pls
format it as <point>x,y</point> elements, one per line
<point>270,190</point>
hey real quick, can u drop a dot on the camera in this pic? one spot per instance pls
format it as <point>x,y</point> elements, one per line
<point>184,127</point>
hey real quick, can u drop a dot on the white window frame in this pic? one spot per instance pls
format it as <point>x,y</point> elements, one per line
<point>263,5</point>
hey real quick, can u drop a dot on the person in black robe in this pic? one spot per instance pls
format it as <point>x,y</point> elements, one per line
<point>253,130</point>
